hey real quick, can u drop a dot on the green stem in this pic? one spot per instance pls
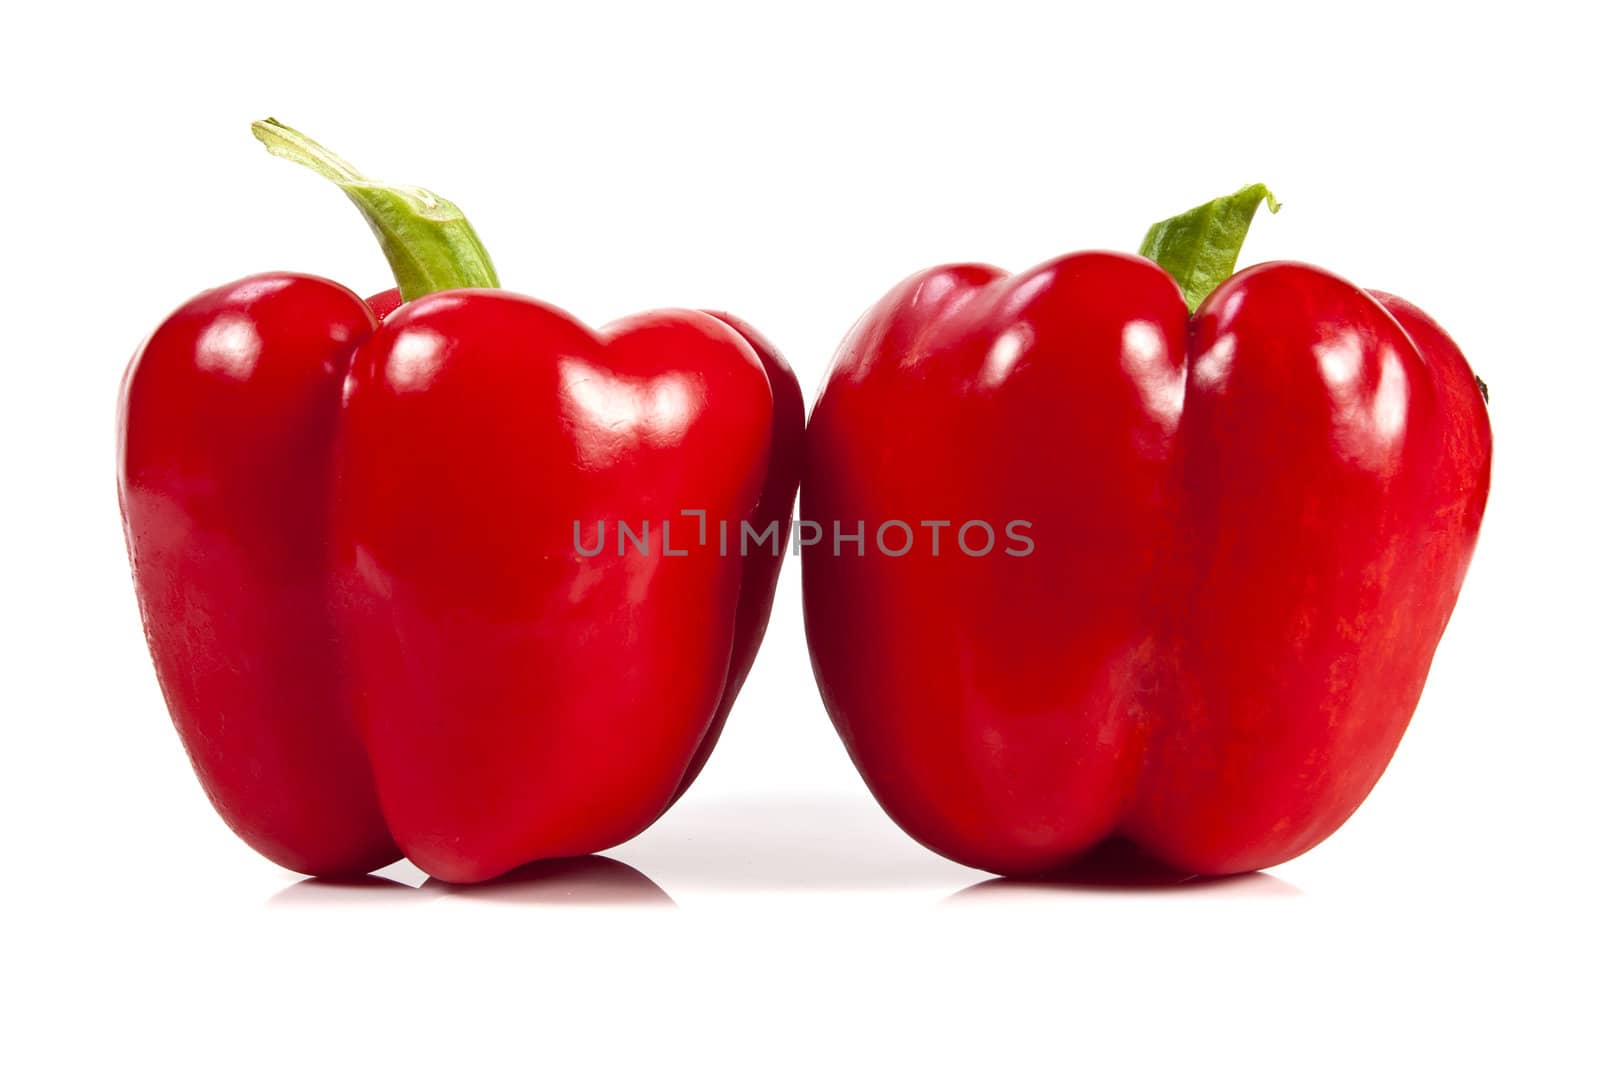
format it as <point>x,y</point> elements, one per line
<point>428,242</point>
<point>1200,247</point>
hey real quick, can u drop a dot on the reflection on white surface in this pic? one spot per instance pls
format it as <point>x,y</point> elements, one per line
<point>843,843</point>
<point>780,841</point>
<point>774,843</point>
<point>1118,867</point>
<point>367,891</point>
<point>580,881</point>
<point>586,881</point>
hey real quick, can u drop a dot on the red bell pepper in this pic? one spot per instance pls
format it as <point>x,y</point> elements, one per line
<point>355,555</point>
<point>1193,568</point>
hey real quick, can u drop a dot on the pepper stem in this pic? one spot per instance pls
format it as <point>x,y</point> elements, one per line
<point>1200,247</point>
<point>428,242</point>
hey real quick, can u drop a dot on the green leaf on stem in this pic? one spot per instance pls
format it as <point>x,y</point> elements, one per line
<point>1200,247</point>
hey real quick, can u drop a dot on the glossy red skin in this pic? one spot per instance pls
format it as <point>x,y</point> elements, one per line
<point>357,571</point>
<point>385,303</point>
<point>226,428</point>
<point>760,583</point>
<point>1250,530</point>
<point>760,580</point>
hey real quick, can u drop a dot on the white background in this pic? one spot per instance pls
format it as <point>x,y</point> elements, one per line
<point>791,164</point>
